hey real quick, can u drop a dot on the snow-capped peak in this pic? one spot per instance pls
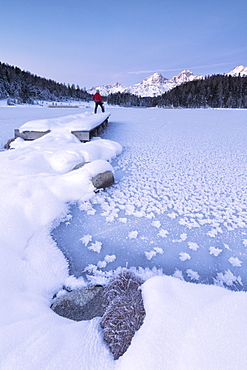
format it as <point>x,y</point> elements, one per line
<point>107,89</point>
<point>239,70</point>
<point>155,78</point>
<point>184,76</point>
<point>150,86</point>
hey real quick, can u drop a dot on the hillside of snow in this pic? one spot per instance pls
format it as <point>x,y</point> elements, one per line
<point>180,182</point>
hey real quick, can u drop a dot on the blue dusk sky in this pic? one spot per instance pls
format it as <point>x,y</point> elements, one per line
<point>95,42</point>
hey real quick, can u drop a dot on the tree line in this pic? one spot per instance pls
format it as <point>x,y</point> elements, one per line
<point>217,91</point>
<point>19,86</point>
<point>130,100</point>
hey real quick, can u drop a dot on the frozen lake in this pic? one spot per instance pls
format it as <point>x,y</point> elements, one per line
<point>178,207</point>
<point>179,201</point>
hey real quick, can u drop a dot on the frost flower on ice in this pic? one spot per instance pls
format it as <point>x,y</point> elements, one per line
<point>110,258</point>
<point>150,254</point>
<point>133,234</point>
<point>178,274</point>
<point>215,251</point>
<point>109,218</point>
<point>227,278</point>
<point>86,239</point>
<point>123,220</point>
<point>213,232</point>
<point>163,233</point>
<point>193,246</point>
<point>101,264</point>
<point>91,268</point>
<point>158,250</point>
<point>95,247</point>
<point>235,262</point>
<point>172,215</point>
<point>183,236</point>
<point>184,256</point>
<point>156,224</point>
<point>193,275</point>
<point>150,215</point>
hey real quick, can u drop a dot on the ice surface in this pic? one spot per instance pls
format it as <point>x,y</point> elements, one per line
<point>182,187</point>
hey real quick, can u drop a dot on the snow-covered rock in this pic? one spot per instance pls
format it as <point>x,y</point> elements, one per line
<point>81,304</point>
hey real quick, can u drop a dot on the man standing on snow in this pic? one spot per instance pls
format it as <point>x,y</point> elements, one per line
<point>98,101</point>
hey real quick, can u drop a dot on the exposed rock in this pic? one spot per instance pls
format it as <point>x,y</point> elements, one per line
<point>103,180</point>
<point>82,304</point>
<point>125,313</point>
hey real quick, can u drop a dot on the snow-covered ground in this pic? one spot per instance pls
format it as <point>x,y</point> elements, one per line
<point>178,207</point>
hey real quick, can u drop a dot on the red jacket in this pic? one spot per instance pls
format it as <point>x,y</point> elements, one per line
<point>97,97</point>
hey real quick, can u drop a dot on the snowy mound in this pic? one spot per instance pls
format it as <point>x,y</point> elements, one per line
<point>79,122</point>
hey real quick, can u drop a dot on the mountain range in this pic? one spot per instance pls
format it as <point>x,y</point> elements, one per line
<point>156,84</point>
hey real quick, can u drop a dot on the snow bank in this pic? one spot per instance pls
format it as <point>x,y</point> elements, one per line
<point>189,327</point>
<point>84,121</point>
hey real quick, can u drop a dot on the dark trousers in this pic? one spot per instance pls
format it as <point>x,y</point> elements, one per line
<point>97,103</point>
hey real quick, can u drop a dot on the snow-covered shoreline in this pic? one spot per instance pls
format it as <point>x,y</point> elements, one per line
<point>36,186</point>
<point>187,326</point>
